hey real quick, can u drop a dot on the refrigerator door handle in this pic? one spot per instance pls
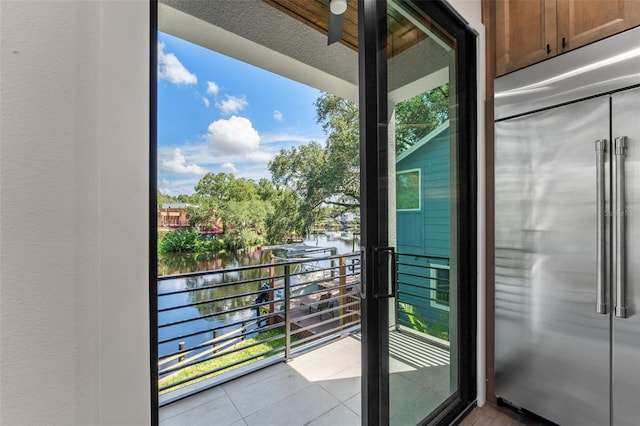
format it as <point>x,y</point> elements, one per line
<point>601,305</point>
<point>620,151</point>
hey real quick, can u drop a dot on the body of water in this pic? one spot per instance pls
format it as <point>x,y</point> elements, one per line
<point>212,287</point>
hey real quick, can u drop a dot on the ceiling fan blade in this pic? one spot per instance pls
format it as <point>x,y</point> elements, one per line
<point>336,23</point>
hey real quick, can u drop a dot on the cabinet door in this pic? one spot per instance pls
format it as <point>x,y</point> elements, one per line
<point>525,33</point>
<point>583,21</point>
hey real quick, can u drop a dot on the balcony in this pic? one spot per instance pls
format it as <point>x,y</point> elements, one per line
<point>320,387</point>
<point>245,345</point>
<point>212,323</point>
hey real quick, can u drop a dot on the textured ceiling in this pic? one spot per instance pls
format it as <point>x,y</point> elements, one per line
<point>266,26</point>
<point>258,33</point>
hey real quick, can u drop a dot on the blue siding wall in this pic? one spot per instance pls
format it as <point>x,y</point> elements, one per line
<point>426,231</point>
<point>423,238</point>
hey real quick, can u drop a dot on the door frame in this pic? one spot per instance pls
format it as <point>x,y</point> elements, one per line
<point>374,181</point>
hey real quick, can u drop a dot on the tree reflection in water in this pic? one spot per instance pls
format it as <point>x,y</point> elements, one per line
<point>181,263</point>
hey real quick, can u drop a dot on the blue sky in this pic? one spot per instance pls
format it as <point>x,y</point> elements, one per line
<point>217,114</point>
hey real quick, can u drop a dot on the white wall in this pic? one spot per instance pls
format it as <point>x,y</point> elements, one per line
<point>74,160</point>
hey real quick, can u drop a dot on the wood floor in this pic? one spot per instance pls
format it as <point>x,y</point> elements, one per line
<point>495,416</point>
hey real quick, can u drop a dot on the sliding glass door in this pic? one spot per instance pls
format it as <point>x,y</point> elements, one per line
<point>417,103</point>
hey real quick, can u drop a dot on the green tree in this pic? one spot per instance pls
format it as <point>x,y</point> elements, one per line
<point>164,199</point>
<point>243,238</point>
<point>215,186</point>
<point>266,190</point>
<point>242,189</point>
<point>202,211</point>
<point>340,120</point>
<point>418,116</point>
<point>330,174</point>
<point>285,218</point>
<point>236,201</point>
<point>224,187</point>
<point>247,214</point>
<point>324,175</point>
<point>303,170</point>
<point>184,198</point>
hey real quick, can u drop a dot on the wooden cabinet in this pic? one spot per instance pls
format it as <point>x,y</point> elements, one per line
<point>525,33</point>
<point>581,22</point>
<point>529,31</point>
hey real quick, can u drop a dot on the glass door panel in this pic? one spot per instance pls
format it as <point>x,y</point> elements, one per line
<point>417,129</point>
<point>422,211</point>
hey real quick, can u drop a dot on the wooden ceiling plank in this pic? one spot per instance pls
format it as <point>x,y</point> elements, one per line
<point>315,13</point>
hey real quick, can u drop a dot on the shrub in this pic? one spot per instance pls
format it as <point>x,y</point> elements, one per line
<point>184,240</point>
<point>239,239</point>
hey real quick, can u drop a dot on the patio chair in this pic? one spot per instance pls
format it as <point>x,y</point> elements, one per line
<point>323,304</point>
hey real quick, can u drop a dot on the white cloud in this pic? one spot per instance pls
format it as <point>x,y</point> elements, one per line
<point>277,115</point>
<point>233,136</point>
<point>170,68</point>
<point>212,88</point>
<point>165,191</point>
<point>259,157</point>
<point>286,137</point>
<point>229,167</point>
<point>182,186</point>
<point>178,164</point>
<point>232,104</point>
<point>206,101</point>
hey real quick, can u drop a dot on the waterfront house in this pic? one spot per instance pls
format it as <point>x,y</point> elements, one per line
<point>173,215</point>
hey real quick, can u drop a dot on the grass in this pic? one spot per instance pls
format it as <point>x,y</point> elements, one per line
<point>231,358</point>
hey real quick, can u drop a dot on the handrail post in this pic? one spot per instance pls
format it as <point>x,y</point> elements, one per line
<point>333,252</point>
<point>342,283</point>
<point>287,311</point>
<point>272,286</point>
<point>181,347</point>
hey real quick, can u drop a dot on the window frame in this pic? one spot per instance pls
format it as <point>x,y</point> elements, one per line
<point>406,171</point>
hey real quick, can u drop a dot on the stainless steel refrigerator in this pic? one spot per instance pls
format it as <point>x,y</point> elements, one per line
<point>567,235</point>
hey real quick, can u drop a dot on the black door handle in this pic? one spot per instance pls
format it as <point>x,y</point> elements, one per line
<point>391,254</point>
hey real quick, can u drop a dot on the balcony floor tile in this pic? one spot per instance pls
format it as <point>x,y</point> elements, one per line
<point>341,415</point>
<point>342,388</point>
<point>298,409</point>
<point>354,404</point>
<point>320,387</point>
<point>190,403</point>
<point>254,397</point>
<point>219,412</point>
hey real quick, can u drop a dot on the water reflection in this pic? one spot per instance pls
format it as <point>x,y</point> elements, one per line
<point>225,297</point>
<point>214,295</point>
<point>180,263</point>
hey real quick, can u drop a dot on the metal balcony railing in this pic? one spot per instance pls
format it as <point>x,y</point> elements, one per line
<point>422,294</point>
<point>213,322</point>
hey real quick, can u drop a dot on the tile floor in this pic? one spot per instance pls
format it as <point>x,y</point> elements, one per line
<point>322,387</point>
